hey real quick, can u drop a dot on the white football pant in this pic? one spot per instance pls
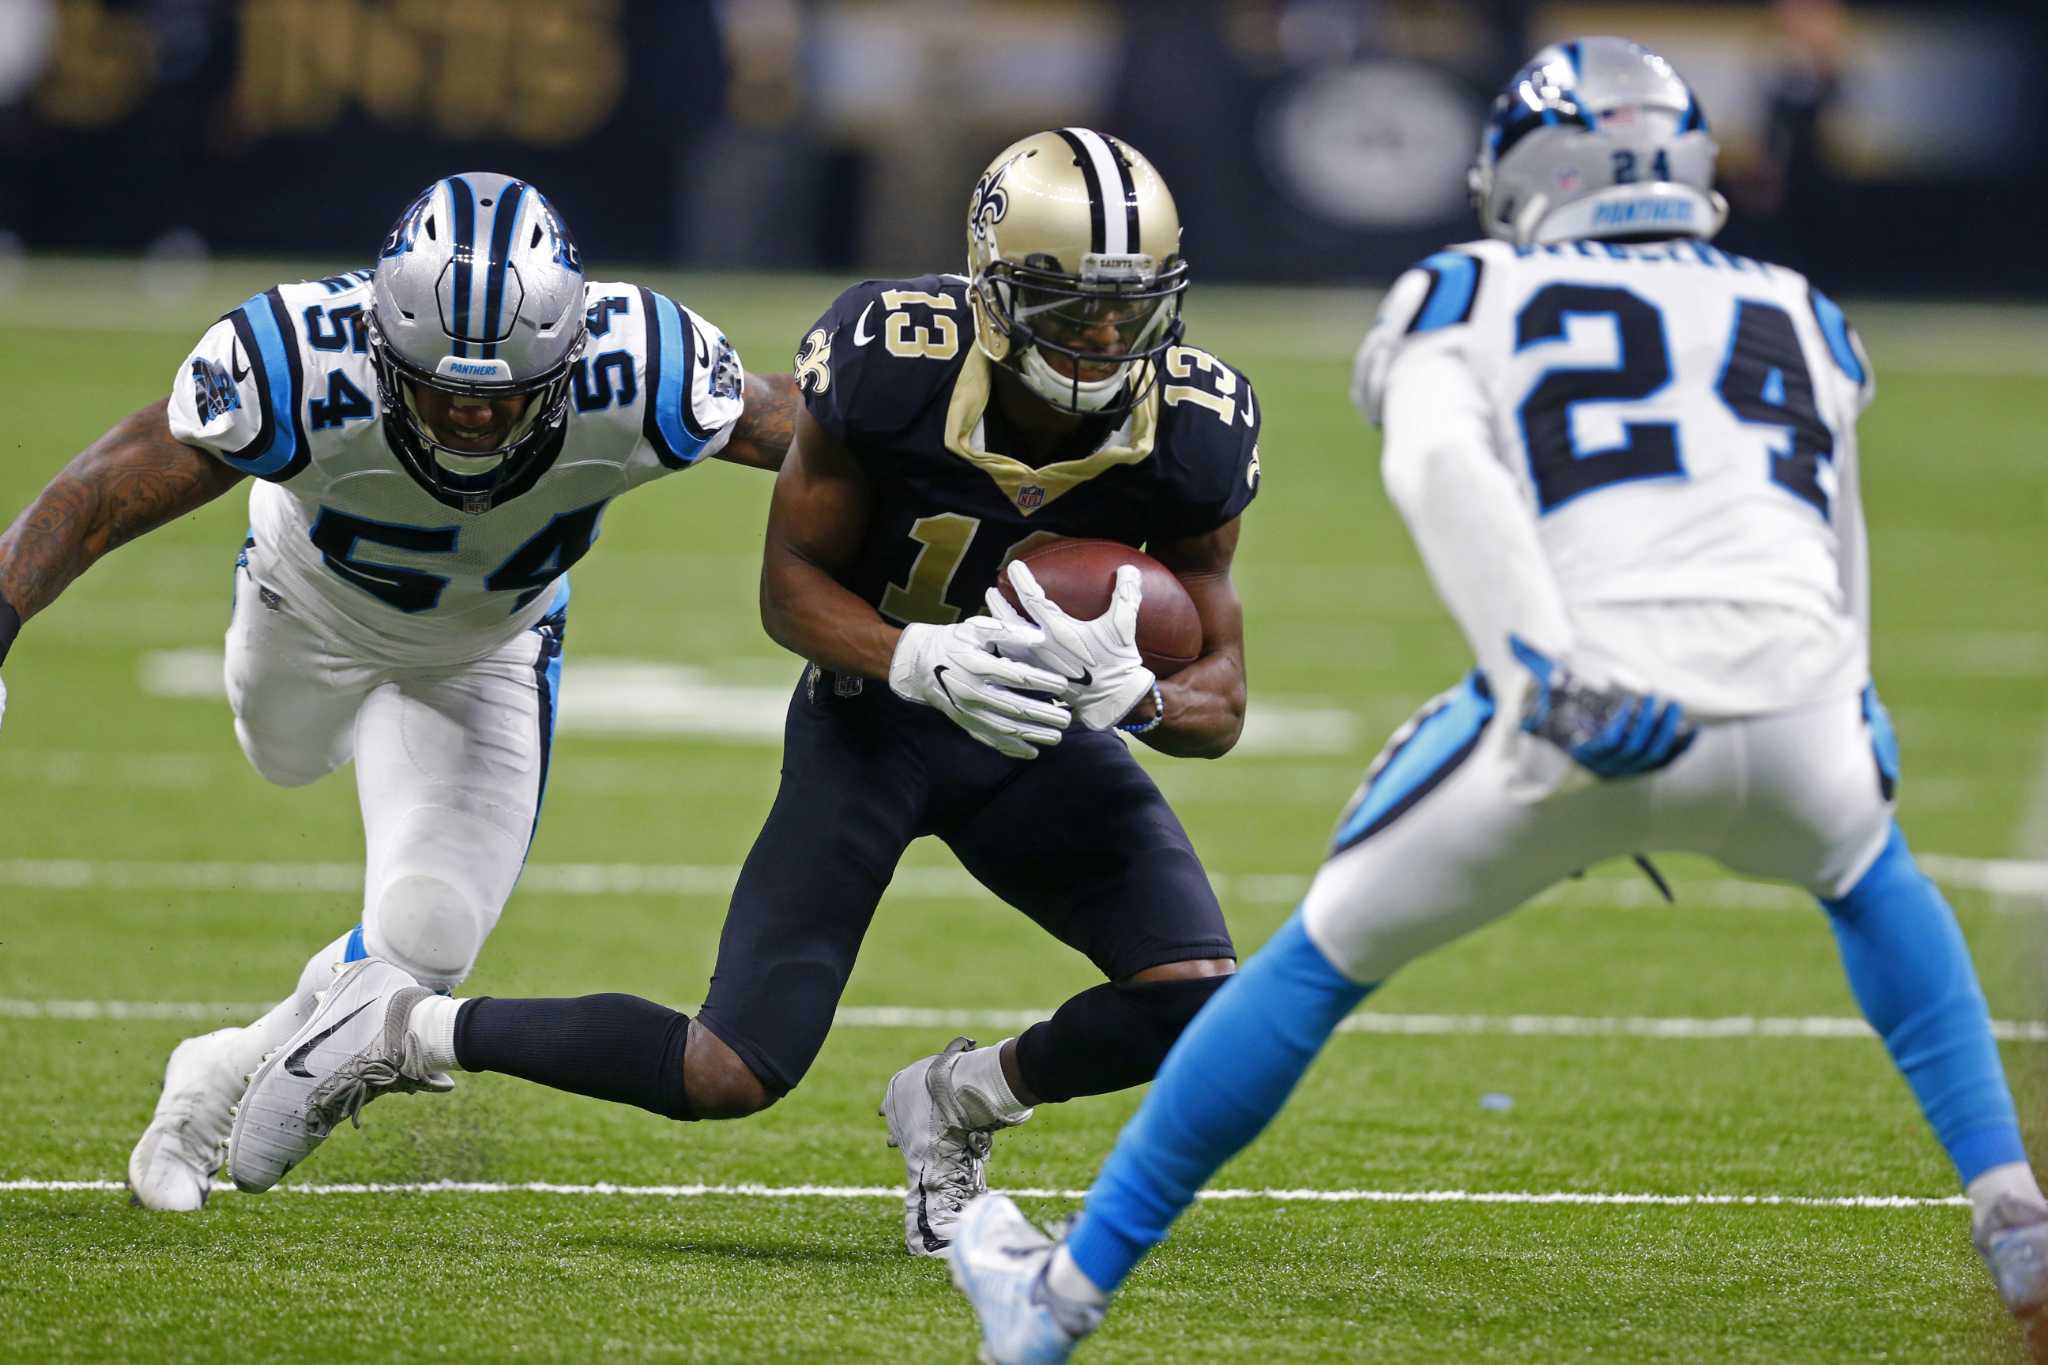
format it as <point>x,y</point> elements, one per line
<point>1465,817</point>
<point>449,760</point>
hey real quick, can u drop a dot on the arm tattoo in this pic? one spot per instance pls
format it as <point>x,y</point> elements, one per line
<point>761,435</point>
<point>131,480</point>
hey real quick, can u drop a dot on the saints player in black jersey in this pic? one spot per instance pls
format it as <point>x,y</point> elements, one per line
<point>952,424</point>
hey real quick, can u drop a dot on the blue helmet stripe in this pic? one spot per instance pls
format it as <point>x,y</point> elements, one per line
<point>504,219</point>
<point>1571,54</point>
<point>461,236</point>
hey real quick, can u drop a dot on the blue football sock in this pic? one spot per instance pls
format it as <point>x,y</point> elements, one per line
<point>1910,971</point>
<point>1221,1084</point>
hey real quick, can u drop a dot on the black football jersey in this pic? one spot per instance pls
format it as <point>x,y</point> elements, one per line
<point>892,370</point>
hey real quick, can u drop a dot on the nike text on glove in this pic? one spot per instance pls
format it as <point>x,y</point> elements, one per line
<point>1104,677</point>
<point>1613,734</point>
<point>955,669</point>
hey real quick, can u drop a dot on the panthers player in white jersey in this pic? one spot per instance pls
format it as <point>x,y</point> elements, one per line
<point>1629,461</point>
<point>433,442</point>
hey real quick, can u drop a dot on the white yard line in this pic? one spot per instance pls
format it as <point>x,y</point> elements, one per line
<point>1276,1196</point>
<point>1822,1027</point>
<point>2031,841</point>
<point>2017,884</point>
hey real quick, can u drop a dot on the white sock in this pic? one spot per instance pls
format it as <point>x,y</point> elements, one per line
<point>2014,1180</point>
<point>1066,1278</point>
<point>285,1018</point>
<point>984,1091</point>
<point>432,1021</point>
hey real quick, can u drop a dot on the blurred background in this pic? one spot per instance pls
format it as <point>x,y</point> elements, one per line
<point>1889,147</point>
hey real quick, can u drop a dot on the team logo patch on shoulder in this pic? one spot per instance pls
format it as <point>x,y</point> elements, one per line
<point>213,389</point>
<point>814,362</point>
<point>1251,471</point>
<point>727,378</point>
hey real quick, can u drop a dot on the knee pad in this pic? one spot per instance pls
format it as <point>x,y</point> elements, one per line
<point>427,925</point>
<point>284,769</point>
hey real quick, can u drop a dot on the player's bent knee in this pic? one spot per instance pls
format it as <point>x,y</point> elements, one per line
<point>1187,971</point>
<point>719,1084</point>
<point>281,768</point>
<point>428,926</point>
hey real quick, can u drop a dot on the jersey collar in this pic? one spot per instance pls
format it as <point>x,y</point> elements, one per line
<point>1029,487</point>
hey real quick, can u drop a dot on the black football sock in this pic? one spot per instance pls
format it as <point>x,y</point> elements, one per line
<point>1111,1037</point>
<point>612,1047</point>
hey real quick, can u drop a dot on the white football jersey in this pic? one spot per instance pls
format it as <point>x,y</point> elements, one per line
<point>1681,423</point>
<point>283,388</point>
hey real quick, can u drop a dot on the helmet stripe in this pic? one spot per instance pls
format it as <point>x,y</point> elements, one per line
<point>462,204</point>
<point>1092,168</point>
<point>1130,188</point>
<point>504,220</point>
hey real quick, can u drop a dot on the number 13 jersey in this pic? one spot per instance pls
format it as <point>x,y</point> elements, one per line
<point>892,370</point>
<point>283,388</point>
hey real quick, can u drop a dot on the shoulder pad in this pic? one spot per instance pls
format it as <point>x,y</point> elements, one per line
<point>883,352</point>
<point>1207,445</point>
<point>1843,344</point>
<point>694,381</point>
<point>1437,293</point>
<point>242,391</point>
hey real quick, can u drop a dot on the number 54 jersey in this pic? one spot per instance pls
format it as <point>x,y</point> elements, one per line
<point>283,388</point>
<point>1682,424</point>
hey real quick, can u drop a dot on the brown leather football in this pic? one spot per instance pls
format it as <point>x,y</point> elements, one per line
<point>1080,575</point>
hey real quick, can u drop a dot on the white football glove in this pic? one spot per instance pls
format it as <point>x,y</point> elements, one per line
<point>1103,676</point>
<point>955,669</point>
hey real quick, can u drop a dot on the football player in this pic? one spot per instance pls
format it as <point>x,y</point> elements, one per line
<point>1629,461</point>
<point>434,442</point>
<point>950,423</point>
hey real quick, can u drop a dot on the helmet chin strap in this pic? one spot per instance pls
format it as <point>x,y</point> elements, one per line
<point>1064,391</point>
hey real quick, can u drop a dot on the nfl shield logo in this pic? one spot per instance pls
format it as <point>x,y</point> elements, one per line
<point>1030,497</point>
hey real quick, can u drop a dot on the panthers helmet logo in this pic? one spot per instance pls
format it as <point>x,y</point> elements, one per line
<point>991,202</point>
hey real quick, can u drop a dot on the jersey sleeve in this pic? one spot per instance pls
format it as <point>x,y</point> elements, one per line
<point>1209,445</point>
<point>1433,297</point>
<point>1851,362</point>
<point>237,395</point>
<point>694,383</point>
<point>877,357</point>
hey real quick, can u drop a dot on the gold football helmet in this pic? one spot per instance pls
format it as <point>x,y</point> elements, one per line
<point>1073,248</point>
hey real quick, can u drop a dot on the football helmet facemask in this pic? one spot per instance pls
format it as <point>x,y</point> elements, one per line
<point>1073,251</point>
<point>477,299</point>
<point>1597,137</point>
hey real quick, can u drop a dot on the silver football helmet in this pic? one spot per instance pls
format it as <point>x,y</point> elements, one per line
<point>1596,137</point>
<point>477,299</point>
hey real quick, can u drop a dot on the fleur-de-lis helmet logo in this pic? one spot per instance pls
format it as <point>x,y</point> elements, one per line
<point>991,202</point>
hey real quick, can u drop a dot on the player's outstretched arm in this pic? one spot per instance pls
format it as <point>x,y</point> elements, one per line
<point>131,480</point>
<point>1204,701</point>
<point>761,435</point>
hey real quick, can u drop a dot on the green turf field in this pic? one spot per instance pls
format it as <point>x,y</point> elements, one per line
<point>149,877</point>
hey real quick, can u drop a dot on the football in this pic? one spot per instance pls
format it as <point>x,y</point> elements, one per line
<point>1080,575</point>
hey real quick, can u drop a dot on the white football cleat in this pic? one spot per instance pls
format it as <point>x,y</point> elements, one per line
<point>2012,1237</point>
<point>353,1049</point>
<point>172,1166</point>
<point>999,1261</point>
<point>945,1146</point>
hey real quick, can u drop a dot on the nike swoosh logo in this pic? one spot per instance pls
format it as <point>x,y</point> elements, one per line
<point>939,677</point>
<point>291,1063</point>
<point>861,335</point>
<point>1086,679</point>
<point>235,362</point>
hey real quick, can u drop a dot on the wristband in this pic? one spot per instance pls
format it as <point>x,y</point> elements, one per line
<point>10,626</point>
<point>1146,727</point>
